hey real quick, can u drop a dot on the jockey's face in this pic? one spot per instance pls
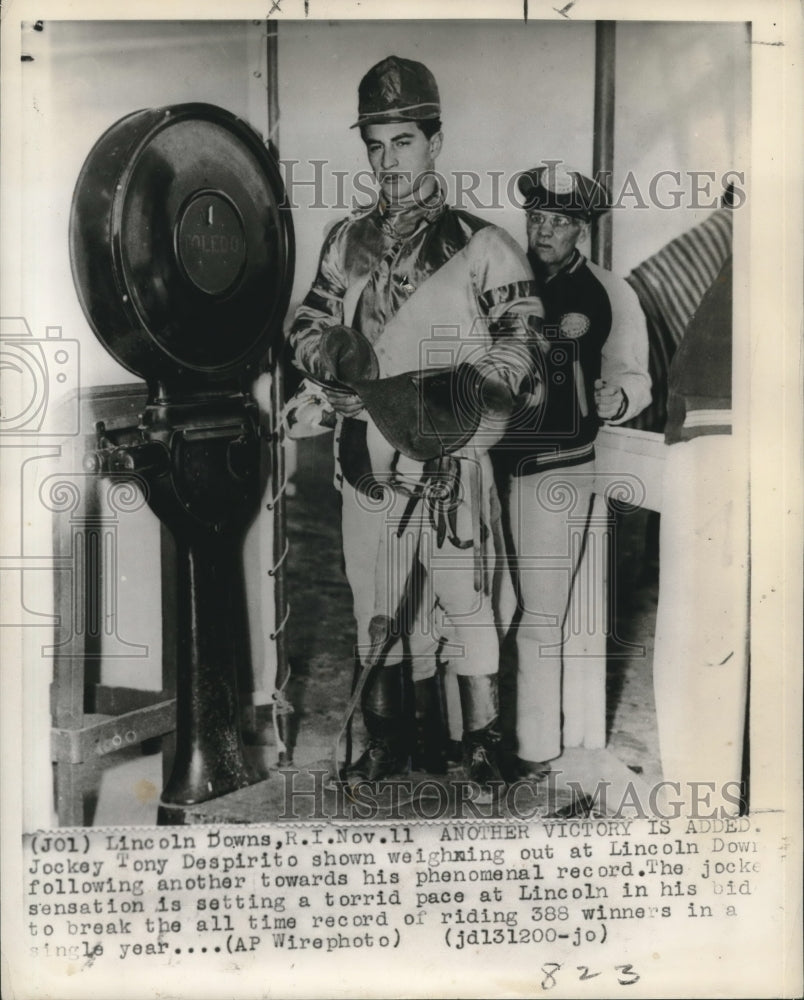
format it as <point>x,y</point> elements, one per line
<point>401,157</point>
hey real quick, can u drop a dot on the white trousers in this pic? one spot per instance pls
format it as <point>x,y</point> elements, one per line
<point>435,585</point>
<point>549,513</point>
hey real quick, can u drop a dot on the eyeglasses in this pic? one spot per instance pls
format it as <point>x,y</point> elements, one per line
<point>550,220</point>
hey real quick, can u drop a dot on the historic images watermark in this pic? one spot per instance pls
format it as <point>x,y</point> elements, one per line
<point>312,795</point>
<point>317,184</point>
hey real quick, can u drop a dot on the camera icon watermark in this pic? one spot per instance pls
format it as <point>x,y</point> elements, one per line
<point>40,379</point>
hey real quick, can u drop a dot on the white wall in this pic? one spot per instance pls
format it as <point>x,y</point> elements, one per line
<point>682,104</point>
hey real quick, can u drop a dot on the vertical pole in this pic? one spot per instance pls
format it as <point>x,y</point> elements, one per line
<point>282,708</point>
<point>272,84</point>
<point>603,144</point>
<point>588,713</point>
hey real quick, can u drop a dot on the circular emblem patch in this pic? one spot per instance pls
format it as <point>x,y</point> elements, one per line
<point>573,325</point>
<point>558,180</point>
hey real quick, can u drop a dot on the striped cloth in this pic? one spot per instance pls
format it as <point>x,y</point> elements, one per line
<point>670,286</point>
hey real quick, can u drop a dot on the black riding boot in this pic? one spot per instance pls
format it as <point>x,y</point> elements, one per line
<point>481,735</point>
<point>387,750</point>
<point>429,752</point>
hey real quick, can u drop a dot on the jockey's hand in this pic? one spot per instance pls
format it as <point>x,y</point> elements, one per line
<point>346,403</point>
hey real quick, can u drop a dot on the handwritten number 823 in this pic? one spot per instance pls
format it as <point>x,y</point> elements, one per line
<point>626,974</point>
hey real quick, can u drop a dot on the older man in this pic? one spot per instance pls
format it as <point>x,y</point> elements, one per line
<point>428,287</point>
<point>595,369</point>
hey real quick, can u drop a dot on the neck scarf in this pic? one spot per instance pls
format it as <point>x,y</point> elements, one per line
<point>390,283</point>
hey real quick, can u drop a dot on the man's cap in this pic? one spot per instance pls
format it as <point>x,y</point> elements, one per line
<point>554,188</point>
<point>397,90</point>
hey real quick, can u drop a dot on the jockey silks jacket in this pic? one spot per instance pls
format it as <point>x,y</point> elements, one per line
<point>593,328</point>
<point>429,286</point>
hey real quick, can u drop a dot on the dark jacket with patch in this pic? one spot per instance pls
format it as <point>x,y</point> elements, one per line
<point>593,328</point>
